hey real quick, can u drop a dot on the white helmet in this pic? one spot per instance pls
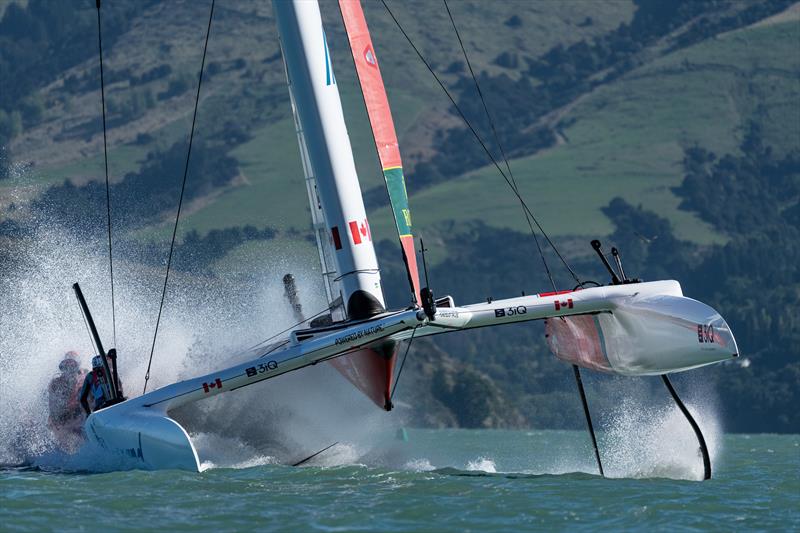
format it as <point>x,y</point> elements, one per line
<point>97,362</point>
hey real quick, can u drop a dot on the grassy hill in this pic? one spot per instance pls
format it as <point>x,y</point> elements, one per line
<point>67,144</point>
<point>627,138</point>
<point>624,138</point>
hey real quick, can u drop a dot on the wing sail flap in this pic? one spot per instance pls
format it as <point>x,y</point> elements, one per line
<point>383,131</point>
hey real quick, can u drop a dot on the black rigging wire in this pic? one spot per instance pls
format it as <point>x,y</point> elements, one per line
<point>105,157</point>
<point>290,328</point>
<point>403,362</point>
<point>528,216</point>
<point>180,199</point>
<point>500,146</point>
<point>480,141</point>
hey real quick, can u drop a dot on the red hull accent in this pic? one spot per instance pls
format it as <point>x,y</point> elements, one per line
<point>371,370</point>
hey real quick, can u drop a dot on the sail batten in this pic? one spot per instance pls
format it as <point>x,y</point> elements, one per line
<point>383,130</point>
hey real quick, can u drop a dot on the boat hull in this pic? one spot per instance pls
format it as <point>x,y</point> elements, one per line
<point>371,370</point>
<point>143,438</point>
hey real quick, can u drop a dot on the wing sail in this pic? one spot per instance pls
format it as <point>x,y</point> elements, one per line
<point>380,118</point>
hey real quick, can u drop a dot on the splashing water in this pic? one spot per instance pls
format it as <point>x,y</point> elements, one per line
<point>645,442</point>
<point>206,321</point>
<point>482,464</point>
<point>209,319</point>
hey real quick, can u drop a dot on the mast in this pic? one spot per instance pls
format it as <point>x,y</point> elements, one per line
<point>321,126</point>
<point>327,261</point>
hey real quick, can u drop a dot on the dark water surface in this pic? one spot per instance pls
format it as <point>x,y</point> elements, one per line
<point>439,480</point>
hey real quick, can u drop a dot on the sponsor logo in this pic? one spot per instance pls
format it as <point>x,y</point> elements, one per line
<point>369,56</point>
<point>705,334</point>
<point>407,217</point>
<point>260,369</point>
<point>350,337</point>
<point>510,311</point>
<point>566,304</point>
<point>217,383</point>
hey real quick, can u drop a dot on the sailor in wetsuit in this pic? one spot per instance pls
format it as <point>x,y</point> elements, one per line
<point>97,385</point>
<point>65,411</point>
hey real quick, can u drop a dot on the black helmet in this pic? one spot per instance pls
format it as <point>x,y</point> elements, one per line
<point>69,363</point>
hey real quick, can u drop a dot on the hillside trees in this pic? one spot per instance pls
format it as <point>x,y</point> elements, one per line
<point>520,105</point>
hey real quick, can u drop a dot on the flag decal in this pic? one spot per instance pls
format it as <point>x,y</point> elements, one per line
<point>567,304</point>
<point>216,384</point>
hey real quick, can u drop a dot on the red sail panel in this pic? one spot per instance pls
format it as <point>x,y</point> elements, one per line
<point>380,118</point>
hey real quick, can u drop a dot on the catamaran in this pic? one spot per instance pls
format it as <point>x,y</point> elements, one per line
<point>627,327</point>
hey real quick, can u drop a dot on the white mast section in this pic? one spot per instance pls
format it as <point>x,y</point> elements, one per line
<point>324,140</point>
<point>327,260</point>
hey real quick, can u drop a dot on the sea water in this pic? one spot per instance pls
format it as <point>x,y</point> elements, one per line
<point>446,480</point>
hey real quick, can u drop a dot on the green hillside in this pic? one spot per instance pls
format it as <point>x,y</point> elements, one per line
<point>67,143</point>
<point>626,139</point>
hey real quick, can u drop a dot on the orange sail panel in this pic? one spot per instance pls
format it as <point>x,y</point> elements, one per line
<point>380,118</point>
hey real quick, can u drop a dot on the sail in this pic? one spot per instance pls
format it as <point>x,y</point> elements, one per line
<point>320,116</point>
<point>350,267</point>
<point>380,118</point>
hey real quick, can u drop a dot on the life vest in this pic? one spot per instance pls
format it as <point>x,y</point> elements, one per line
<point>99,385</point>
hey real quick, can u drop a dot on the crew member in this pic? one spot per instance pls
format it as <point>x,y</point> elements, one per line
<point>97,385</point>
<point>65,411</point>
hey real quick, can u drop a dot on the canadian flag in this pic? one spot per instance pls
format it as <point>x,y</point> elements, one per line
<point>360,231</point>
<point>567,304</point>
<point>208,386</point>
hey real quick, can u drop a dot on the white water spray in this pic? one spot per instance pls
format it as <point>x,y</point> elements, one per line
<point>206,321</point>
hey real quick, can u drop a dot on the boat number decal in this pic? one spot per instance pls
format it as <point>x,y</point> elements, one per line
<point>510,311</point>
<point>135,453</point>
<point>359,334</point>
<point>260,369</point>
<point>567,304</point>
<point>705,333</point>
<point>96,436</point>
<point>217,383</point>
<point>446,314</point>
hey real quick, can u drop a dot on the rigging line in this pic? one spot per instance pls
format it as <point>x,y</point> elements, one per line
<point>312,317</point>
<point>180,198</point>
<point>480,141</point>
<point>403,362</point>
<point>108,189</point>
<point>499,144</point>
